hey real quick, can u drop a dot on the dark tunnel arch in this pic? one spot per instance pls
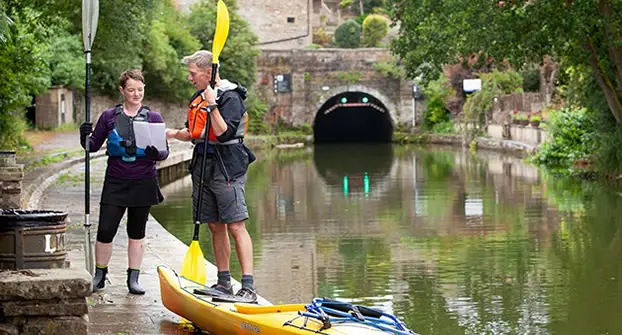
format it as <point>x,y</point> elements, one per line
<point>353,117</point>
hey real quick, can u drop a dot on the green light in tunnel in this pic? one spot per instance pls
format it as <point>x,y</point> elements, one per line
<point>345,186</point>
<point>366,183</point>
<point>365,100</point>
<point>344,100</point>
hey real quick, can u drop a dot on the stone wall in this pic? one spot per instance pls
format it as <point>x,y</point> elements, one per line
<point>279,24</point>
<point>42,301</point>
<point>317,75</point>
<point>525,134</point>
<point>174,114</point>
<point>11,175</point>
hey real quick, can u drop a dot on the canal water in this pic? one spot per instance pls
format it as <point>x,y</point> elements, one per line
<point>451,242</point>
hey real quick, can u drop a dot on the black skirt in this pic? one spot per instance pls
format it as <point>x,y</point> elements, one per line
<point>131,193</point>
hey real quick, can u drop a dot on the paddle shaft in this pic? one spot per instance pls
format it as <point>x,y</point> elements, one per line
<point>88,252</point>
<point>197,213</point>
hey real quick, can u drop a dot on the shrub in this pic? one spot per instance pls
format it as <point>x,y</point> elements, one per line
<point>321,37</point>
<point>348,35</point>
<point>573,137</point>
<point>436,94</point>
<point>375,28</point>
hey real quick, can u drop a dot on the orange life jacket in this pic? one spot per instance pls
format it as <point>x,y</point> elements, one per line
<point>197,117</point>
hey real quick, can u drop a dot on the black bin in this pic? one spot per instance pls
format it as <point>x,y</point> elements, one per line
<point>32,239</point>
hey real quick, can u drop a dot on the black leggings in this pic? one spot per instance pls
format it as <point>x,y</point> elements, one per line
<point>110,218</point>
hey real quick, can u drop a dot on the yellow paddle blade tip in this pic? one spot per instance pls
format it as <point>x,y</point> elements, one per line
<point>222,30</point>
<point>193,267</point>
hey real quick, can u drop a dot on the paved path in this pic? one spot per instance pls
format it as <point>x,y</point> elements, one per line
<point>60,186</point>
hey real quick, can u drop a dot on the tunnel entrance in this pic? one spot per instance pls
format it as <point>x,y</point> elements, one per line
<point>352,117</point>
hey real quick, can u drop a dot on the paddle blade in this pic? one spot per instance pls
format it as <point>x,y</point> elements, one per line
<point>90,16</point>
<point>193,267</point>
<point>222,30</point>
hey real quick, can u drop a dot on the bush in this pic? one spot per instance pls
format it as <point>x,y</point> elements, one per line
<point>375,28</point>
<point>573,137</point>
<point>256,110</point>
<point>531,80</point>
<point>348,35</point>
<point>321,37</point>
<point>436,93</point>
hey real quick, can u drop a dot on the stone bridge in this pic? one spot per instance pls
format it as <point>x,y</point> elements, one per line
<point>337,91</point>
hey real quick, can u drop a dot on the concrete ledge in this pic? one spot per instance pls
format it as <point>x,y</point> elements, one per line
<point>44,284</point>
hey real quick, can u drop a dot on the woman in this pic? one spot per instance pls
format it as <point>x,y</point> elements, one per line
<point>131,180</point>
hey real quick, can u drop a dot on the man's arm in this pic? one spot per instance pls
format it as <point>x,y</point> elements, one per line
<point>219,124</point>
<point>179,134</point>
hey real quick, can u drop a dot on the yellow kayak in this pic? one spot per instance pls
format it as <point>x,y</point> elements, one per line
<point>319,317</point>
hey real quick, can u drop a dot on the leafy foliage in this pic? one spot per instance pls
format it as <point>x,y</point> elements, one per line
<point>237,61</point>
<point>390,70</point>
<point>167,42</point>
<point>573,133</point>
<point>66,59</point>
<point>584,34</point>
<point>375,28</point>
<point>437,92</point>
<point>494,84</point>
<point>24,71</point>
<point>348,35</point>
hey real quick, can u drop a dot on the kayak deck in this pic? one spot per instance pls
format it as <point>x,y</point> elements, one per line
<point>243,318</point>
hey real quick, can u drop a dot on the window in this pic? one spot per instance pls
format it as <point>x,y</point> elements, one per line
<point>290,19</point>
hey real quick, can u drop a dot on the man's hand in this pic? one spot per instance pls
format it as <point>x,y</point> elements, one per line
<point>152,152</point>
<point>209,95</point>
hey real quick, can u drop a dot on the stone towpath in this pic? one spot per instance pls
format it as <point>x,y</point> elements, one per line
<point>60,186</point>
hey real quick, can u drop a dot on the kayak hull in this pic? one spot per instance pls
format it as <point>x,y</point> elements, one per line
<point>241,318</point>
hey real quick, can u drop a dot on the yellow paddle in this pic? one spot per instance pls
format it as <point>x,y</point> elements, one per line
<point>193,267</point>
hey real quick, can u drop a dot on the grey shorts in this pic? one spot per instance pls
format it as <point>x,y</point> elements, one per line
<point>222,201</point>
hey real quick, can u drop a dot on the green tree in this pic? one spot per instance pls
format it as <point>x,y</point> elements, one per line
<point>238,57</point>
<point>66,58</point>
<point>520,31</point>
<point>24,71</point>
<point>375,28</point>
<point>168,40</point>
<point>348,34</point>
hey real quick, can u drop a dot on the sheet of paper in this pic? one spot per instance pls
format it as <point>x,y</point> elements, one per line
<point>150,134</point>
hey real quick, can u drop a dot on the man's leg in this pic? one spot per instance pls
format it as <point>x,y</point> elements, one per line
<point>243,246</point>
<point>221,245</point>
<point>209,214</point>
<point>233,211</point>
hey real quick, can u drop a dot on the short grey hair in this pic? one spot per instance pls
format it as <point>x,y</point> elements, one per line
<point>202,59</point>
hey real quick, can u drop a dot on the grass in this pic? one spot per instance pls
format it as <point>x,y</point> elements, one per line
<point>54,158</point>
<point>67,178</point>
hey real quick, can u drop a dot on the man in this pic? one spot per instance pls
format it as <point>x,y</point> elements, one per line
<point>223,205</point>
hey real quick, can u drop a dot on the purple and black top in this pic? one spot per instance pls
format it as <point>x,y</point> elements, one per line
<point>142,168</point>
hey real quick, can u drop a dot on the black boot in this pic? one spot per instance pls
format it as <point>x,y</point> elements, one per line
<point>132,282</point>
<point>99,280</point>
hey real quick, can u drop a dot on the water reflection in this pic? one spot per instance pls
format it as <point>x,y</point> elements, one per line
<point>452,243</point>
